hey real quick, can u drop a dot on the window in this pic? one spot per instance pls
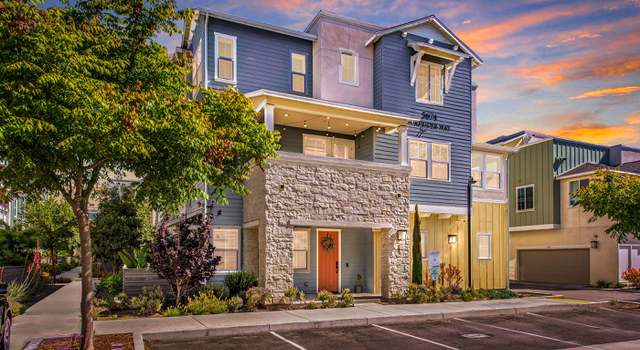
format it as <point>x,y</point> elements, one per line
<point>484,246</point>
<point>424,235</point>
<point>225,58</point>
<point>301,249</point>
<point>524,198</point>
<point>429,83</point>
<point>348,73</point>
<point>429,160</point>
<point>298,72</point>
<point>226,242</point>
<point>574,186</point>
<point>486,170</point>
<point>323,146</point>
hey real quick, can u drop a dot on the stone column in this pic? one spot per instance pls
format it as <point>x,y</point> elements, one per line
<point>395,262</point>
<point>278,264</point>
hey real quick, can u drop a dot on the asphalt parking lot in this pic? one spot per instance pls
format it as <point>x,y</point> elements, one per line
<point>597,329</point>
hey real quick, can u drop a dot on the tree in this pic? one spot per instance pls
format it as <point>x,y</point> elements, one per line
<point>51,221</point>
<point>86,93</point>
<point>416,269</point>
<point>616,196</point>
<point>183,254</point>
<point>120,224</point>
<point>16,245</point>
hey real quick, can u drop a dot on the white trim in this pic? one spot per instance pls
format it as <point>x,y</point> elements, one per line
<point>356,70</point>
<point>305,74</point>
<point>238,230</point>
<point>205,53</point>
<point>294,97</point>
<point>429,102</point>
<point>525,202</point>
<point>489,200</point>
<point>235,58</point>
<point>319,246</point>
<point>341,224</point>
<point>429,160</point>
<point>485,234</point>
<point>251,224</point>
<point>439,209</point>
<point>308,268</point>
<point>534,227</point>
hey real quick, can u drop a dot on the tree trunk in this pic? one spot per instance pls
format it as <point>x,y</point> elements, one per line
<point>54,260</point>
<point>86,259</point>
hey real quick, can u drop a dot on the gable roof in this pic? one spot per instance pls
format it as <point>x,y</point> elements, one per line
<point>264,26</point>
<point>431,19</point>
<point>529,134</point>
<point>632,168</point>
<point>349,20</point>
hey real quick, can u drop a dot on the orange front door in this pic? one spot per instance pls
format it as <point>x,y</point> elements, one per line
<point>328,260</point>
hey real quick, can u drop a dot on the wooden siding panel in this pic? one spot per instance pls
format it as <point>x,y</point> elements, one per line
<point>264,58</point>
<point>490,218</point>
<point>393,92</point>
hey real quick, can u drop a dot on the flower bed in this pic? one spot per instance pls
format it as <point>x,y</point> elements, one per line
<point>101,342</point>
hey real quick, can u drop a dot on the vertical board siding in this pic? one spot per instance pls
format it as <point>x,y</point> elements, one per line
<point>490,218</point>
<point>264,58</point>
<point>393,92</point>
<point>576,154</point>
<point>533,165</point>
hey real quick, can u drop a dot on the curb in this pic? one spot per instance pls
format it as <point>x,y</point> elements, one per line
<point>244,330</point>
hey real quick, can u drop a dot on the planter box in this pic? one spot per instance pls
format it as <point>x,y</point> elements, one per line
<point>134,280</point>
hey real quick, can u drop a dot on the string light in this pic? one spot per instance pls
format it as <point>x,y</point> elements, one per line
<point>305,124</point>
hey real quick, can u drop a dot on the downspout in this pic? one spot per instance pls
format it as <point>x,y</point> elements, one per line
<point>469,234</point>
<point>205,51</point>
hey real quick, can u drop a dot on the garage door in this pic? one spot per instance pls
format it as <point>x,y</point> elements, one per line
<point>563,266</point>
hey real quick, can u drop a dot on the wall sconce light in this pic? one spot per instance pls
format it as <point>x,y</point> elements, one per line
<point>402,235</point>
<point>594,244</point>
<point>453,239</point>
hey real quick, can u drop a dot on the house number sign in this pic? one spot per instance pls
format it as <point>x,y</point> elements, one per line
<point>428,121</point>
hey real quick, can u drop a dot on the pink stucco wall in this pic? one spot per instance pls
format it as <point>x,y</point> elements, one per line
<point>333,36</point>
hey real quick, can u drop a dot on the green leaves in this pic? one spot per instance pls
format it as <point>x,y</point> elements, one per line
<point>615,196</point>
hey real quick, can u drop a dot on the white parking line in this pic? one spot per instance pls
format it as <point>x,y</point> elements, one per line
<point>417,338</point>
<point>563,320</point>
<point>530,334</point>
<point>287,341</point>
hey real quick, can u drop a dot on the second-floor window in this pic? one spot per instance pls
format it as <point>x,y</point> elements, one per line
<point>298,72</point>
<point>324,146</point>
<point>574,186</point>
<point>225,58</point>
<point>429,160</point>
<point>486,170</point>
<point>348,73</point>
<point>430,83</point>
<point>524,198</point>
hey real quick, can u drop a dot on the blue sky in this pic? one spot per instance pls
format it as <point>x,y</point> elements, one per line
<point>569,68</point>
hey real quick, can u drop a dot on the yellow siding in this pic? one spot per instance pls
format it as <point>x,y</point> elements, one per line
<point>490,218</point>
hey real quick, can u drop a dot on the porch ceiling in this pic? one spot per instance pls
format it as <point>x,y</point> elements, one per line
<point>296,111</point>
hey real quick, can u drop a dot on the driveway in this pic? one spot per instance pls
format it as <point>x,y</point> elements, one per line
<point>604,328</point>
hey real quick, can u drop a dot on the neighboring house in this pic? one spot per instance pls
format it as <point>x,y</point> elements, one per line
<point>551,239</point>
<point>373,120</point>
<point>12,212</point>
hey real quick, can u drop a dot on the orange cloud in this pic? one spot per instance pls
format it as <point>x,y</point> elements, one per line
<point>616,91</point>
<point>492,37</point>
<point>633,119</point>
<point>600,133</point>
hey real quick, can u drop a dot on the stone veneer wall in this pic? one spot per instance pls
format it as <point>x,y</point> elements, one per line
<point>298,187</point>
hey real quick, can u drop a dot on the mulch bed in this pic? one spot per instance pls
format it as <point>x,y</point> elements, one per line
<point>101,342</point>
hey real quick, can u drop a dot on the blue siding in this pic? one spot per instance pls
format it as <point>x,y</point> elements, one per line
<point>365,145</point>
<point>392,92</point>
<point>230,214</point>
<point>264,58</point>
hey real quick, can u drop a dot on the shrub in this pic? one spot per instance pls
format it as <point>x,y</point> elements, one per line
<point>217,290</point>
<point>239,282</point>
<point>234,304</point>
<point>601,284</point>
<point>16,307</point>
<point>258,296</point>
<point>110,285</point>
<point>294,293</point>
<point>417,294</point>
<point>346,298</point>
<point>149,302</point>
<point>327,299</point>
<point>450,276</point>
<point>203,304</point>
<point>172,312</point>
<point>311,305</point>
<point>632,275</point>
<point>19,291</point>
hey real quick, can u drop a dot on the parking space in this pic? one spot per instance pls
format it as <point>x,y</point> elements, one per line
<point>550,330</point>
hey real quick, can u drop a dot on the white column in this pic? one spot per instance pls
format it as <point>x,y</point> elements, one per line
<point>403,145</point>
<point>269,116</point>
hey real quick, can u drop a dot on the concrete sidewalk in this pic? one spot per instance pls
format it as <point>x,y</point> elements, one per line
<point>57,314</point>
<point>190,327</point>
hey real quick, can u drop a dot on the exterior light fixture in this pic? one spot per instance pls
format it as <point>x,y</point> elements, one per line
<point>286,114</point>
<point>305,124</point>
<point>594,244</point>
<point>452,239</point>
<point>402,235</point>
<point>346,124</point>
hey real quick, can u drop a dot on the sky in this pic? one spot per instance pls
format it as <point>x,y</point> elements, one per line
<point>567,68</point>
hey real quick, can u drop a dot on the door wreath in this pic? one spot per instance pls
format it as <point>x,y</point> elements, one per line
<point>327,243</point>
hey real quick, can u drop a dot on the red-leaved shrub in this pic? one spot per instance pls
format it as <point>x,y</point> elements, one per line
<point>632,275</point>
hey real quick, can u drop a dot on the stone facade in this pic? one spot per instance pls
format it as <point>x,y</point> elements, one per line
<point>299,188</point>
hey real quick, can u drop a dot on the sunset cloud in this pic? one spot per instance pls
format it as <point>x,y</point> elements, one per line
<point>616,91</point>
<point>600,133</point>
<point>633,119</point>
